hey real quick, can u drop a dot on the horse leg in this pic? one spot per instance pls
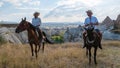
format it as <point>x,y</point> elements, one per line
<point>32,49</point>
<point>39,47</point>
<point>89,55</point>
<point>36,51</point>
<point>95,52</point>
<point>43,46</point>
<point>86,51</point>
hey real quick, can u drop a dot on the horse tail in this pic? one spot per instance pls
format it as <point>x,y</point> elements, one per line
<point>46,39</point>
<point>44,33</point>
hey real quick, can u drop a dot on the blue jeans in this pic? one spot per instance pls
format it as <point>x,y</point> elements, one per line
<point>37,28</point>
<point>97,30</point>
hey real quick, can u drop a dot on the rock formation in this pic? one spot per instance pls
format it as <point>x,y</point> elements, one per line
<point>9,36</point>
<point>108,22</point>
<point>117,23</point>
<point>73,34</point>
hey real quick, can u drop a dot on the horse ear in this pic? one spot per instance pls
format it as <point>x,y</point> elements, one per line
<point>85,29</point>
<point>92,29</point>
<point>22,19</point>
<point>25,18</point>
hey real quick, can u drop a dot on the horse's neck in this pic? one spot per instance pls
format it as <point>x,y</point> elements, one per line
<point>31,31</point>
<point>30,28</point>
<point>91,36</point>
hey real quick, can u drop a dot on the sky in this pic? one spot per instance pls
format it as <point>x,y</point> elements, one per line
<point>58,10</point>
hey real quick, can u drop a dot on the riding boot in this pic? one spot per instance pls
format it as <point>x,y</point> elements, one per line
<point>100,37</point>
<point>84,44</point>
<point>84,41</point>
<point>40,34</point>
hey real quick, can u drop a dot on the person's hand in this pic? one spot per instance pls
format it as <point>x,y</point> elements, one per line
<point>38,25</point>
<point>91,23</point>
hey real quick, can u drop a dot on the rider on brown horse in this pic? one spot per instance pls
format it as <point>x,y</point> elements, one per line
<point>36,22</point>
<point>91,20</point>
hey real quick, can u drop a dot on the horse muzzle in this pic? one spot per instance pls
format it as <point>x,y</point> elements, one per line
<point>17,31</point>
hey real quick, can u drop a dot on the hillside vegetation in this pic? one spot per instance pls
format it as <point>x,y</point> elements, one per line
<point>68,55</point>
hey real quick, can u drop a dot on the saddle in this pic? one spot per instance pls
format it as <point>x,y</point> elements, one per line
<point>98,34</point>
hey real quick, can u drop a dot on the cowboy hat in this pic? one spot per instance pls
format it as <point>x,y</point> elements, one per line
<point>36,13</point>
<point>88,11</point>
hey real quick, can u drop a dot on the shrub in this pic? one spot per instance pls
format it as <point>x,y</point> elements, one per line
<point>57,39</point>
<point>2,40</point>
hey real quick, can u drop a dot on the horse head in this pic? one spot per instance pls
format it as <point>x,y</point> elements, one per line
<point>89,29</point>
<point>90,34</point>
<point>23,25</point>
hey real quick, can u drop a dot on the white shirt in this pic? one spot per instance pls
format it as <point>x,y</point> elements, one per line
<point>89,20</point>
<point>36,21</point>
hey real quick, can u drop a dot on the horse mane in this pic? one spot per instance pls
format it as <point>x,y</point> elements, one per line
<point>31,26</point>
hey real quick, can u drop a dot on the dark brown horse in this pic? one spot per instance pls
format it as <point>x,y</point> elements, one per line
<point>92,40</point>
<point>32,36</point>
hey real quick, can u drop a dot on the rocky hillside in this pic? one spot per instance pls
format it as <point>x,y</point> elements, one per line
<point>117,23</point>
<point>9,35</point>
<point>108,22</point>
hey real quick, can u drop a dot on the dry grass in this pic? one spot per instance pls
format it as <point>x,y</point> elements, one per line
<point>68,55</point>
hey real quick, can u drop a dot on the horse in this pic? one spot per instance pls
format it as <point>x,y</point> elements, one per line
<point>92,40</point>
<point>32,36</point>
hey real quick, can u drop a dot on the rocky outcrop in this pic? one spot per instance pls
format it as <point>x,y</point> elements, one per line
<point>73,34</point>
<point>108,22</point>
<point>9,36</point>
<point>108,26</point>
<point>117,23</point>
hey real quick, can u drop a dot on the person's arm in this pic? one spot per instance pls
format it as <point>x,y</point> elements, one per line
<point>32,21</point>
<point>39,23</point>
<point>96,21</point>
<point>85,23</point>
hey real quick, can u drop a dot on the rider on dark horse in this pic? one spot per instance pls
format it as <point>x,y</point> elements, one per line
<point>36,22</point>
<point>91,20</point>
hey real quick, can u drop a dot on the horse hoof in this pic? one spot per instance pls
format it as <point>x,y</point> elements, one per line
<point>95,63</point>
<point>89,63</point>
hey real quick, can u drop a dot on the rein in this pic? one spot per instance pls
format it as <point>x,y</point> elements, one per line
<point>90,41</point>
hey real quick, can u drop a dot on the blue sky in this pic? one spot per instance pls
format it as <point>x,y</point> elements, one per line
<point>14,10</point>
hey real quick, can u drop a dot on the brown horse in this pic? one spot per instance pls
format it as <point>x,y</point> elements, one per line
<point>32,36</point>
<point>92,40</point>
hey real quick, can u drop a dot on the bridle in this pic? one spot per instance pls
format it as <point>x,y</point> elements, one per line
<point>87,38</point>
